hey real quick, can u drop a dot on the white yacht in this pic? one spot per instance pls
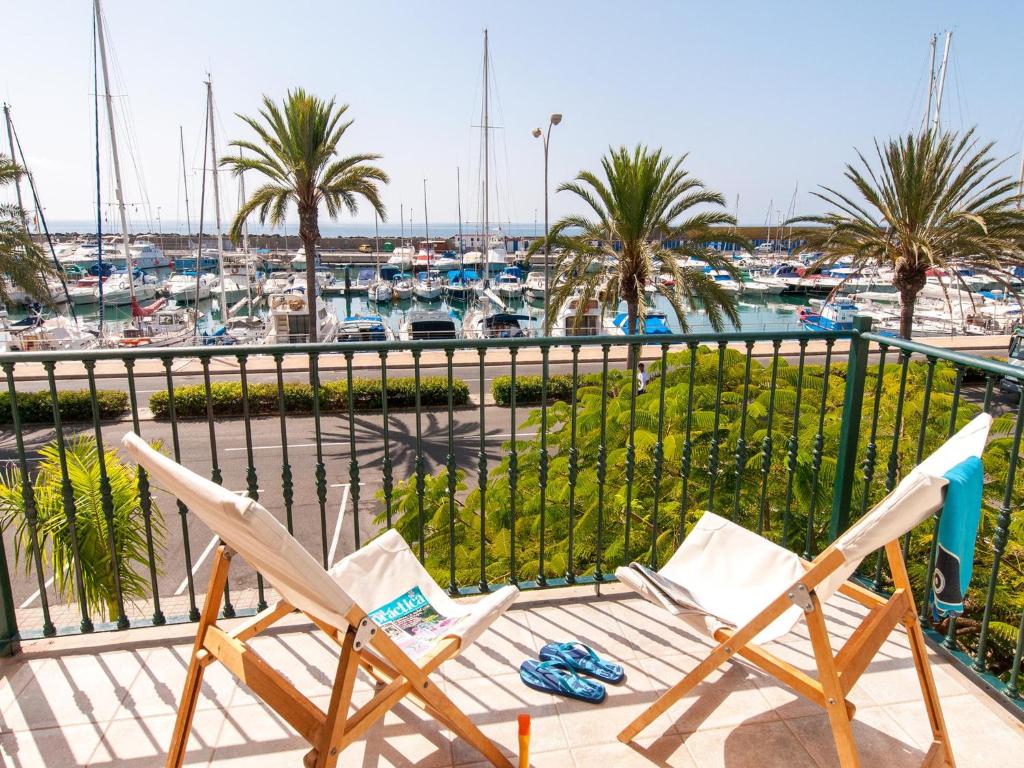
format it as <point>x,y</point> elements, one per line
<point>54,334</point>
<point>86,290</point>
<point>145,255</point>
<point>117,290</point>
<point>289,319</point>
<point>428,285</point>
<point>402,257</point>
<point>509,284</point>
<point>535,286</point>
<point>183,287</point>
<point>433,324</point>
<point>236,287</point>
<point>278,282</point>
<point>578,318</point>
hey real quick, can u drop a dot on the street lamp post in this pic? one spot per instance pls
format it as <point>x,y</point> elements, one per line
<point>555,119</point>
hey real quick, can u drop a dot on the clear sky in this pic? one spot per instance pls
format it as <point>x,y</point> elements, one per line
<point>761,95</point>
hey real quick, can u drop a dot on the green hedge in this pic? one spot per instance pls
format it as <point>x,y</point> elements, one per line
<point>528,388</point>
<point>75,405</point>
<point>190,401</point>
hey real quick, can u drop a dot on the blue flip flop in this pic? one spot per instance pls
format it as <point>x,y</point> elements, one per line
<point>581,658</point>
<point>557,677</point>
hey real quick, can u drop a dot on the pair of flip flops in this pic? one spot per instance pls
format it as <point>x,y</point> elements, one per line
<point>559,671</point>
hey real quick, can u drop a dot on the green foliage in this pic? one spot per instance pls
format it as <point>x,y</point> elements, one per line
<point>91,527</point>
<point>529,388</point>
<point>788,498</point>
<point>226,397</point>
<point>75,405</point>
<point>22,262</point>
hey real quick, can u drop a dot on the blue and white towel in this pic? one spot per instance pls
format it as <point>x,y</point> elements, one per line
<point>957,531</point>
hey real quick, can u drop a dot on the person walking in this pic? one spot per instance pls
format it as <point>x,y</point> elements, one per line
<point>641,379</point>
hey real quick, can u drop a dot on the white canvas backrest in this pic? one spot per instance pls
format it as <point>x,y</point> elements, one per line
<point>252,532</point>
<point>919,495</point>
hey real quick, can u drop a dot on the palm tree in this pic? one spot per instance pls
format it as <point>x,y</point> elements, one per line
<point>297,153</point>
<point>21,260</point>
<point>53,527</point>
<point>934,199</point>
<point>635,233</point>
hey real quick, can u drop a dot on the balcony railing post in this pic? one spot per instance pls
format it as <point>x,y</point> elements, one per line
<point>849,433</point>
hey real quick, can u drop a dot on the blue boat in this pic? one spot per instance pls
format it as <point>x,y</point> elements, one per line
<point>655,323</point>
<point>835,315</point>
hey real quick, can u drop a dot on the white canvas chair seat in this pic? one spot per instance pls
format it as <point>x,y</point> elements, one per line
<point>723,595</point>
<point>337,602</point>
<point>386,567</point>
<point>742,590</point>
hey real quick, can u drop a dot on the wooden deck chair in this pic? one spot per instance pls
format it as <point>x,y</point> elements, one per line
<point>742,591</point>
<point>337,601</point>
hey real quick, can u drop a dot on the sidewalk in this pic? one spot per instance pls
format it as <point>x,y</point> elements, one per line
<point>226,363</point>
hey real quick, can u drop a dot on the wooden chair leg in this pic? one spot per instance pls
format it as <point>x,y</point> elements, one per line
<point>941,753</point>
<point>671,696</point>
<point>828,676</point>
<point>341,698</point>
<point>194,677</point>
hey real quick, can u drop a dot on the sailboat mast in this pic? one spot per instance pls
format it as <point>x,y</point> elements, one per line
<point>376,243</point>
<point>458,195</point>
<point>101,38</point>
<point>426,222</point>
<point>216,204</point>
<point>184,181</point>
<point>401,218</point>
<point>931,86</point>
<point>10,141</point>
<point>942,82</point>
<point>487,156</point>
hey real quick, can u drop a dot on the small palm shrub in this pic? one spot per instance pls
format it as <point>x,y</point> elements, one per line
<point>92,532</point>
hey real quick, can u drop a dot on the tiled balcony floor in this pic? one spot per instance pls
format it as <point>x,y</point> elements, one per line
<point>110,700</point>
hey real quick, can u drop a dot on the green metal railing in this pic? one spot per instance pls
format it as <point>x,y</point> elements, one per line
<point>554,471</point>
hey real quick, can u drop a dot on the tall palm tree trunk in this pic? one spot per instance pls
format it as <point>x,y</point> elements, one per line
<point>909,282</point>
<point>309,233</point>
<point>632,317</point>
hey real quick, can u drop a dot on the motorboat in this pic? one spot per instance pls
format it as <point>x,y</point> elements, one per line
<point>237,287</point>
<point>245,329</point>
<point>430,324</point>
<point>183,287</point>
<point>206,261</point>
<point>364,328</point>
<point>578,318</point>
<point>445,262</point>
<point>655,323</point>
<point>86,290</point>
<point>461,285</point>
<point>119,288</point>
<point>509,284</point>
<point>481,323</point>
<point>428,285</point>
<point>535,286</point>
<point>158,326</point>
<point>834,315</point>
<point>289,318</point>
<point>278,282</point>
<point>146,255</point>
<point>54,334</point>
<point>402,257</point>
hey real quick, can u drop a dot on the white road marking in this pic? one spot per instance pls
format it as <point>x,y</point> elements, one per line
<point>337,526</point>
<point>278,446</point>
<point>35,595</point>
